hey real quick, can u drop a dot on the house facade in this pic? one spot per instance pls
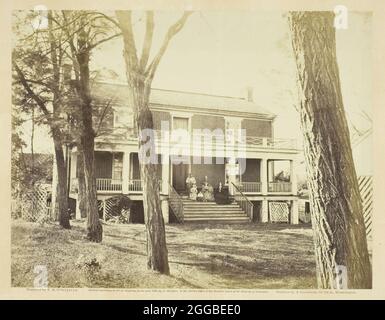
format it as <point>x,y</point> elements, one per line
<point>258,169</point>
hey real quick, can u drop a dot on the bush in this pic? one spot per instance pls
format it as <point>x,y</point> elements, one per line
<point>90,266</point>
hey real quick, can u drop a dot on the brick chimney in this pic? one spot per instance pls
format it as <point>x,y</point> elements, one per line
<point>249,94</point>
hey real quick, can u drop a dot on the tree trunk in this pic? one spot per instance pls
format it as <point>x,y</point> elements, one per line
<point>81,185</point>
<point>157,255</point>
<point>61,199</point>
<point>337,217</point>
<point>94,227</point>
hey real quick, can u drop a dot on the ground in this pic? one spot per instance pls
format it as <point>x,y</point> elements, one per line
<point>213,256</point>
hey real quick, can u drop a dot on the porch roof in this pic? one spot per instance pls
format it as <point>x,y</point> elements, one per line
<point>188,100</point>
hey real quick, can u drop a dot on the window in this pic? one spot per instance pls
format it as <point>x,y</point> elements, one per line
<point>123,118</point>
<point>180,123</point>
<point>117,166</point>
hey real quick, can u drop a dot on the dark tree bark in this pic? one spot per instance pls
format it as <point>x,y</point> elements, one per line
<point>81,184</point>
<point>94,227</point>
<point>61,204</point>
<point>139,78</point>
<point>157,254</point>
<point>337,218</point>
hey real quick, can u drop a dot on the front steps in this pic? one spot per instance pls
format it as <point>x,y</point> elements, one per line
<point>206,212</point>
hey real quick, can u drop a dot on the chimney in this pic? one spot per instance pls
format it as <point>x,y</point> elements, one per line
<point>249,94</point>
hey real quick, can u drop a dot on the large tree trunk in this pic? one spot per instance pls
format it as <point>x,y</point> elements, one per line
<point>61,200</point>
<point>337,218</point>
<point>157,255</point>
<point>94,227</point>
<point>140,74</point>
<point>81,184</point>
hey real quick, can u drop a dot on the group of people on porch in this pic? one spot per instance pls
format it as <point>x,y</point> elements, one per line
<point>206,193</point>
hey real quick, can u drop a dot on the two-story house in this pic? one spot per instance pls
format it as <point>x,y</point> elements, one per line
<point>260,174</point>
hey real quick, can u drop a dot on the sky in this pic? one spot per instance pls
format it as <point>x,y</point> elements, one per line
<point>223,52</point>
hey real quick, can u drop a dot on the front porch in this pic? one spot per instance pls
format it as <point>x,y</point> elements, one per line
<point>116,173</point>
<point>252,176</point>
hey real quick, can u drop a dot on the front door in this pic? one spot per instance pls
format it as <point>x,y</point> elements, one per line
<point>179,176</point>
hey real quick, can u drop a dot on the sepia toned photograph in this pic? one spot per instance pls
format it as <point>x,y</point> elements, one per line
<point>192,149</point>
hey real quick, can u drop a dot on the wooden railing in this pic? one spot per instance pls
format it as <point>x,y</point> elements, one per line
<point>135,185</point>
<point>111,185</point>
<point>281,143</point>
<point>275,143</point>
<point>279,187</point>
<point>252,187</point>
<point>243,202</point>
<point>176,204</point>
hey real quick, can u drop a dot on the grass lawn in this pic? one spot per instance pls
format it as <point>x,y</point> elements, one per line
<point>214,256</point>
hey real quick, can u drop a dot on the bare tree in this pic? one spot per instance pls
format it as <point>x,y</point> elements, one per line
<point>140,73</point>
<point>337,218</point>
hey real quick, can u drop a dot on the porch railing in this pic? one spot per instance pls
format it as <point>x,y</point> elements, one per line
<point>243,202</point>
<point>279,187</point>
<point>274,143</point>
<point>108,185</point>
<point>176,204</point>
<point>250,187</point>
<point>136,185</point>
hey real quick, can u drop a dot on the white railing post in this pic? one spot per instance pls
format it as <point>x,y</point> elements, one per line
<point>264,142</point>
<point>165,175</point>
<point>263,175</point>
<point>125,172</point>
<point>293,177</point>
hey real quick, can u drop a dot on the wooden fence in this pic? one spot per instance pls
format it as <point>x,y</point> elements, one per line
<point>34,205</point>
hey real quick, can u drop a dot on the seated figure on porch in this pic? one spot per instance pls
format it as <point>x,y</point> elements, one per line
<point>208,191</point>
<point>200,196</point>
<point>190,181</point>
<point>193,192</point>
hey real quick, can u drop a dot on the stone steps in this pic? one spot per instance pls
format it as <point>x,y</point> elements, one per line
<point>210,212</point>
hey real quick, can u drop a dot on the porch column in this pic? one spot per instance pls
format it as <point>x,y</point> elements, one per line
<point>165,213</point>
<point>125,172</point>
<point>294,212</point>
<point>165,174</point>
<point>265,211</point>
<point>74,159</point>
<point>263,175</point>
<point>78,214</point>
<point>293,177</point>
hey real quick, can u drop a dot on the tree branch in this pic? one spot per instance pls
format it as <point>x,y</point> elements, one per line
<point>147,40</point>
<point>172,31</point>
<point>104,40</point>
<point>27,88</point>
<point>125,24</point>
<point>104,113</point>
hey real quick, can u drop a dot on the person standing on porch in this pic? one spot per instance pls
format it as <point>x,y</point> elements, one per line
<point>190,181</point>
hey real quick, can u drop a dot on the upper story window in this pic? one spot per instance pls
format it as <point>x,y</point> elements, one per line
<point>123,119</point>
<point>180,123</point>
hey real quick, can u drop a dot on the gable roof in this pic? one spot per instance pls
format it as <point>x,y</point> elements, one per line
<point>186,100</point>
